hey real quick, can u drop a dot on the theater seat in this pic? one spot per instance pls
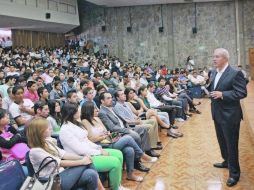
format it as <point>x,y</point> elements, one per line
<point>11,175</point>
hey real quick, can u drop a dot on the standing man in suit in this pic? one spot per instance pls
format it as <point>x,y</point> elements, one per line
<point>227,87</point>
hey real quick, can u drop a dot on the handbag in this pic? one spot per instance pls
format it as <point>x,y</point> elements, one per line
<point>53,182</point>
<point>112,138</point>
<point>18,151</point>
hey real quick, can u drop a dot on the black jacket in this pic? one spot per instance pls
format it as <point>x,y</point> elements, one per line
<point>233,87</point>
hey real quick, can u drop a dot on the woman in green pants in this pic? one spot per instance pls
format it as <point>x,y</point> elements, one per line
<point>73,137</point>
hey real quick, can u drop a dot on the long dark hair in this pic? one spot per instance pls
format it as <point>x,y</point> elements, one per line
<point>87,111</point>
<point>127,91</point>
<point>52,112</point>
<point>68,111</point>
<point>141,89</point>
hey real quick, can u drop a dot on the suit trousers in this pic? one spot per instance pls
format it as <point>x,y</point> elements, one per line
<point>152,126</point>
<point>171,112</point>
<point>228,138</point>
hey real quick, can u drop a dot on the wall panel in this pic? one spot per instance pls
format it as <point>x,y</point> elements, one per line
<point>35,39</point>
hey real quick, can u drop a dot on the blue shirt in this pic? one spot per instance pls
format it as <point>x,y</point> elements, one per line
<point>124,111</point>
<point>86,100</point>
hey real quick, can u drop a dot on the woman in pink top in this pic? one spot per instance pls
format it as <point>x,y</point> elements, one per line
<point>31,92</point>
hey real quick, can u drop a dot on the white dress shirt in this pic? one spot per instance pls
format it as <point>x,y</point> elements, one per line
<point>153,101</point>
<point>218,75</point>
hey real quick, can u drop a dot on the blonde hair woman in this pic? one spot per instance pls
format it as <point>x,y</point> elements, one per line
<point>75,171</point>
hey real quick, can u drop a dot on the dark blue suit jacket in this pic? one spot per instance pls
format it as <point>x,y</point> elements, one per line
<point>233,87</point>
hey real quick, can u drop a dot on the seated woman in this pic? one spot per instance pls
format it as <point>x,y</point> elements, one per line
<point>75,171</point>
<point>9,137</point>
<point>138,108</point>
<point>54,117</point>
<point>98,133</point>
<point>73,137</point>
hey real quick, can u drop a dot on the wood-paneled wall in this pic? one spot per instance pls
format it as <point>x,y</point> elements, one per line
<point>251,61</point>
<point>35,39</point>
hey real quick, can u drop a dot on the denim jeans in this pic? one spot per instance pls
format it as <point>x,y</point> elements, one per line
<point>130,149</point>
<point>80,177</point>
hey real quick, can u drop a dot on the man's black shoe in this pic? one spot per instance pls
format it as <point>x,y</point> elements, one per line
<point>159,147</point>
<point>231,182</point>
<point>152,153</point>
<point>221,165</point>
<point>141,167</point>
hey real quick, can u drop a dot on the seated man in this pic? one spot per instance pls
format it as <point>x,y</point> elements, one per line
<point>9,82</point>
<point>108,82</point>
<point>43,94</point>
<point>88,96</point>
<point>21,109</point>
<point>170,109</point>
<point>41,109</point>
<point>72,97</point>
<point>31,92</point>
<point>123,110</point>
<point>68,85</point>
<point>198,80</point>
<point>164,93</point>
<point>114,124</point>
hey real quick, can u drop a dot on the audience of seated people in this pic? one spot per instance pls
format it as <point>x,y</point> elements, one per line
<point>106,115</point>
<point>76,171</point>
<point>74,138</point>
<point>99,134</point>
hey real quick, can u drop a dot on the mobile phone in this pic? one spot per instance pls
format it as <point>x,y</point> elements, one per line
<point>114,134</point>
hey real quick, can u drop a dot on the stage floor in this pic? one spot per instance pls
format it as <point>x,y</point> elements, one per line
<point>187,163</point>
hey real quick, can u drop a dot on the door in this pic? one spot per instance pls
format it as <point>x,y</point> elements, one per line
<point>251,61</point>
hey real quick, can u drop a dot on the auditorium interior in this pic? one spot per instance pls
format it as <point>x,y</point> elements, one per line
<point>126,94</point>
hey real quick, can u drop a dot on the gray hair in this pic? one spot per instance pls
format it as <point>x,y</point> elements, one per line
<point>223,52</point>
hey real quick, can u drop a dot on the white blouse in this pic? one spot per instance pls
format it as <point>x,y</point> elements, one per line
<point>74,139</point>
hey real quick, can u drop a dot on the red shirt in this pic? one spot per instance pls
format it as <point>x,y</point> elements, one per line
<point>164,71</point>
